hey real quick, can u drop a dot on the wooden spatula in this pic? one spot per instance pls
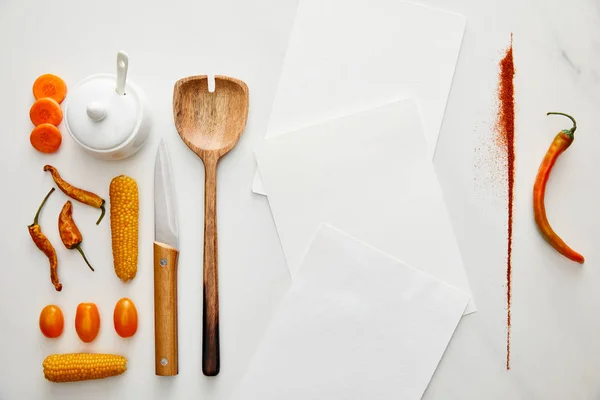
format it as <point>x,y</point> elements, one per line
<point>210,123</point>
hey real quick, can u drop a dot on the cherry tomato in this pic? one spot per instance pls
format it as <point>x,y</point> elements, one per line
<point>87,321</point>
<point>52,321</point>
<point>125,318</point>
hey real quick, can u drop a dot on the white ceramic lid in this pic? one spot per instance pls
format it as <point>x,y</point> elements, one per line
<point>100,118</point>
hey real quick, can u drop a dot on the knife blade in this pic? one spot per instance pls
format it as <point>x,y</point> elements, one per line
<point>166,253</point>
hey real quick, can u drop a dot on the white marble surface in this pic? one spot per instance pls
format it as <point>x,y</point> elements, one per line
<point>555,342</point>
<point>556,322</point>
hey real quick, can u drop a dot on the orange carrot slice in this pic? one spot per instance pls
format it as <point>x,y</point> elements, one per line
<point>45,138</point>
<point>49,85</point>
<point>46,110</point>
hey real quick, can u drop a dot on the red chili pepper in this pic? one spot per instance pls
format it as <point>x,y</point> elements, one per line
<point>561,142</point>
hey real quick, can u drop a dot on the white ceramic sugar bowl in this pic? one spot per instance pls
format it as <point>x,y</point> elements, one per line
<point>108,116</point>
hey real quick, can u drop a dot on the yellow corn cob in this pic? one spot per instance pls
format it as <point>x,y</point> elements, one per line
<point>82,366</point>
<point>124,215</point>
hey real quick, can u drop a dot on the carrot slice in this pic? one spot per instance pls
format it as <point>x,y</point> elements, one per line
<point>49,85</point>
<point>45,138</point>
<point>46,110</point>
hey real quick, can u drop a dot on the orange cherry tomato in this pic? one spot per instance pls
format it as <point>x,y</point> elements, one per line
<point>87,321</point>
<point>125,318</point>
<point>52,321</point>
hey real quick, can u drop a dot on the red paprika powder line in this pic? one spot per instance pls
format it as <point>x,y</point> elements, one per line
<point>506,136</point>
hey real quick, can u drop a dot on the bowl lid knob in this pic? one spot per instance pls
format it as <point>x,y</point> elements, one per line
<point>96,111</point>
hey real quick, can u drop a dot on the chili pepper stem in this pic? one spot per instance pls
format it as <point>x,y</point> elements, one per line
<point>37,214</point>
<point>568,132</point>
<point>103,212</point>
<point>78,247</point>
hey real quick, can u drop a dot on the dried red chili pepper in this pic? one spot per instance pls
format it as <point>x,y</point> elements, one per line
<point>561,142</point>
<point>75,193</point>
<point>42,243</point>
<point>69,233</point>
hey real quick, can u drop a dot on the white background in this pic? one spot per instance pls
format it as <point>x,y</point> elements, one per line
<point>556,323</point>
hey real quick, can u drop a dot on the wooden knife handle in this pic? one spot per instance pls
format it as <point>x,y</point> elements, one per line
<point>211,362</point>
<point>165,309</point>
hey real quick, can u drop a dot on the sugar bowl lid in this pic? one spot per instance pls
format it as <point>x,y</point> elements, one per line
<point>104,111</point>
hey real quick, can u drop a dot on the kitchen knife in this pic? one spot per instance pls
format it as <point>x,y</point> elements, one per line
<point>165,267</point>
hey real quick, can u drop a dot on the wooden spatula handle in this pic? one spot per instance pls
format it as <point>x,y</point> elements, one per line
<point>211,362</point>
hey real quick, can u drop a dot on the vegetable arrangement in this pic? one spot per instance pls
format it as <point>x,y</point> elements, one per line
<point>124,228</point>
<point>68,230</point>
<point>46,114</point>
<point>124,216</point>
<point>561,142</point>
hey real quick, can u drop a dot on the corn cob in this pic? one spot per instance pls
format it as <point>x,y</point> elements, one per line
<point>82,366</point>
<point>124,215</point>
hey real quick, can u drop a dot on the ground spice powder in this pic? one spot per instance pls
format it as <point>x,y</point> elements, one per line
<point>506,139</point>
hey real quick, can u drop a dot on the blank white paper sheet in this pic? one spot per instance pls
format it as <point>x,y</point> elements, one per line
<point>369,175</point>
<point>356,324</point>
<point>335,66</point>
